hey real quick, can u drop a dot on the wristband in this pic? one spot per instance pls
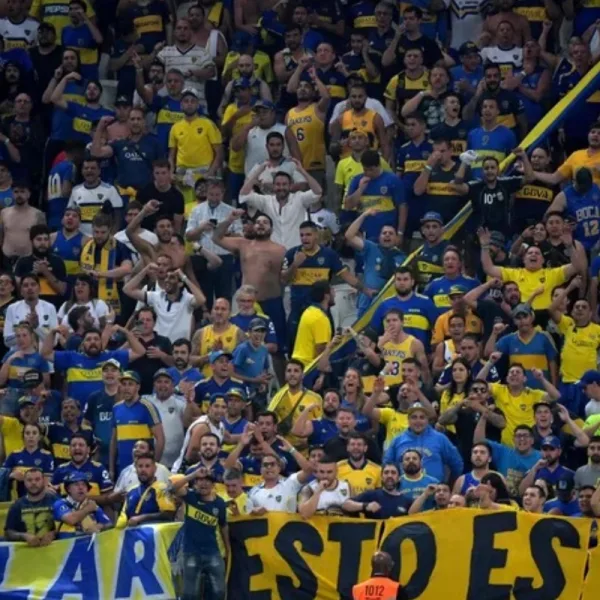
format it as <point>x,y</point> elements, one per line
<point>293,451</point>
<point>485,247</point>
<point>6,141</point>
<point>428,168</point>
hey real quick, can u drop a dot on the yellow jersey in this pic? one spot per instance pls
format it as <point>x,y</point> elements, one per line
<point>579,351</point>
<point>529,281</point>
<point>366,122</point>
<point>581,158</point>
<point>194,141</point>
<point>12,434</point>
<point>209,337</point>
<point>242,504</point>
<point>314,330</point>
<point>56,12</point>
<point>348,168</point>
<point>394,422</point>
<point>448,400</point>
<point>442,325</point>
<point>394,354</point>
<point>368,477</point>
<point>310,134</point>
<point>518,410</point>
<point>262,66</point>
<point>236,158</point>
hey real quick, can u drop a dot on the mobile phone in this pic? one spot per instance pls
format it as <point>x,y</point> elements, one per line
<point>213,222</point>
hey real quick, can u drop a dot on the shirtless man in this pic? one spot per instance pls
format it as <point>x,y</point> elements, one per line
<point>15,223</point>
<point>169,243</point>
<point>247,14</point>
<point>260,258</point>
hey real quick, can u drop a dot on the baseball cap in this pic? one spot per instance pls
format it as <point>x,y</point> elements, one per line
<point>264,104</point>
<point>214,356</point>
<point>237,393</point>
<point>256,324</point>
<point>32,378</point>
<point>112,362</point>
<point>565,484</point>
<point>123,101</point>
<point>497,239</point>
<point>76,477</point>
<point>589,377</point>
<point>457,290</point>
<point>522,309</point>
<point>432,216</point>
<point>552,441</point>
<point>162,373</point>
<point>415,407</point>
<point>190,92</point>
<point>356,132</point>
<point>242,82</point>
<point>131,375</point>
<point>214,397</point>
<point>468,48</point>
<point>25,400</point>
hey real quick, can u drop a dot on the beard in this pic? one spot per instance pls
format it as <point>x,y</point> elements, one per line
<point>411,469</point>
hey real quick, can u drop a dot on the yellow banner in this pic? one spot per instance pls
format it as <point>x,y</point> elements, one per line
<point>591,590</point>
<point>131,564</point>
<point>464,554</point>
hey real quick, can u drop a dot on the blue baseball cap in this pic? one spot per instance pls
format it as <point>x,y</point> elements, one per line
<point>552,441</point>
<point>242,83</point>
<point>131,375</point>
<point>237,392</point>
<point>214,397</point>
<point>588,377</point>
<point>214,356</point>
<point>76,477</point>
<point>457,290</point>
<point>432,216</point>
<point>264,104</point>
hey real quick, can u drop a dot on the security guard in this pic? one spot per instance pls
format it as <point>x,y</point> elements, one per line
<point>380,586</point>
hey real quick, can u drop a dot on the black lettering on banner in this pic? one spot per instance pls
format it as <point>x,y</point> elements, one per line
<point>544,555</point>
<point>350,537</point>
<point>421,535</point>
<point>245,566</point>
<point>484,557</point>
<point>285,543</point>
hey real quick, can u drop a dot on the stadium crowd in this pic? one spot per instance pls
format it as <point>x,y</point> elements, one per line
<point>199,199</point>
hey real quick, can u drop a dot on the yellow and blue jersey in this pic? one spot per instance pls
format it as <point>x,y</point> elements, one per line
<point>95,473</point>
<point>56,12</point>
<point>20,365</point>
<point>207,387</point>
<point>535,353</point>
<point>202,523</point>
<point>168,112</point>
<point>322,265</point>
<point>146,499</point>
<point>133,422</point>
<point>384,193</point>
<point>62,121</point>
<point>84,119</point>
<point>419,315</point>
<point>64,506</point>
<point>362,15</point>
<point>22,460</point>
<point>509,105</point>
<point>69,249</point>
<point>429,261</point>
<point>59,437</point>
<point>27,516</point>
<point>150,21</point>
<point>411,159</point>
<point>438,290</point>
<point>84,373</point>
<point>80,39</point>
<point>361,479</point>
<point>497,143</point>
<point>586,212</point>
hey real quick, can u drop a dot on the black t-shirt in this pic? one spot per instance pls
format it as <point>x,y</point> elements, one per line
<point>336,449</point>
<point>466,422</point>
<point>431,51</point>
<point>456,134</point>
<point>171,203</point>
<point>490,312</point>
<point>146,366</point>
<point>491,206</point>
<point>24,266</point>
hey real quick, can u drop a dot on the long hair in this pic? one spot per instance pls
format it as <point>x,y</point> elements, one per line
<point>84,278</point>
<point>453,389</point>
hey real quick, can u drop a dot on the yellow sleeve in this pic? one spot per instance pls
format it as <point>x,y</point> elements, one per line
<point>122,520</point>
<point>377,482</point>
<point>566,169</point>
<point>496,390</point>
<point>229,58</point>
<point>266,68</point>
<point>565,324</point>
<point>35,9</point>
<point>229,112</point>
<point>507,274</point>
<point>322,330</point>
<point>390,90</point>
<point>172,139</point>
<point>386,415</point>
<point>339,175</point>
<point>90,9</point>
<point>214,134</point>
<point>556,276</point>
<point>438,329</point>
<point>165,501</point>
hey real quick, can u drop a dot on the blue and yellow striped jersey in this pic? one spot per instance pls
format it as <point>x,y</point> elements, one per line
<point>95,473</point>
<point>438,290</point>
<point>22,460</point>
<point>146,499</point>
<point>59,436</point>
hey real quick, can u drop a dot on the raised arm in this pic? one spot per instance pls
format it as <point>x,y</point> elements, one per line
<point>58,95</point>
<point>230,243</point>
<point>486,260</point>
<point>131,231</point>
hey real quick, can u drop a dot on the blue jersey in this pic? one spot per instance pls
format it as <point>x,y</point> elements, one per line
<point>134,160</point>
<point>150,22</point>
<point>62,121</point>
<point>205,389</point>
<point>84,373</point>
<point>243,322</point>
<point>553,477</point>
<point>51,408</point>
<point>470,481</point>
<point>202,523</point>
<point>392,505</point>
<point>534,111</point>
<point>95,473</point>
<point>65,506</point>
<point>379,266</point>
<point>438,290</point>
<point>361,15</point>
<point>23,460</point>
<point>249,361</point>
<point>60,173</point>
<point>413,488</point>
<point>513,465</point>
<point>84,119</point>
<point>419,311</point>
<point>429,261</point>
<point>168,112</point>
<point>536,353</point>
<point>498,143</point>
<point>69,249</point>
<point>59,438</point>
<point>98,413</point>
<point>80,39</point>
<point>6,198</point>
<point>568,509</point>
<point>321,265</point>
<point>20,365</point>
<point>577,121</point>
<point>411,159</point>
<point>473,78</point>
<point>323,431</point>
<point>133,422</point>
<point>217,470</point>
<point>586,212</point>
<point>384,193</point>
<point>190,374</point>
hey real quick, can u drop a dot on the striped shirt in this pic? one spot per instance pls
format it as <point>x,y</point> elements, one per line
<point>205,212</point>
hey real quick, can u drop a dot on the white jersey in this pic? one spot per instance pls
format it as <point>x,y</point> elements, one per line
<point>97,309</point>
<point>17,312</point>
<point>173,319</point>
<point>256,145</point>
<point>466,20</point>
<point>510,61</point>
<point>91,200</point>
<point>19,35</point>
<point>286,165</point>
<point>281,498</point>
<point>145,234</point>
<point>331,499</point>
<point>171,415</point>
<point>128,479</point>
<point>194,57</point>
<point>218,430</point>
<point>325,219</point>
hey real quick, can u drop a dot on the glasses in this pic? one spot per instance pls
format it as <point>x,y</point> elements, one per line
<point>269,464</point>
<point>522,436</point>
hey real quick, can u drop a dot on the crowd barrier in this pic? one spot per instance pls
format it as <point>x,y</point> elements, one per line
<point>457,554</point>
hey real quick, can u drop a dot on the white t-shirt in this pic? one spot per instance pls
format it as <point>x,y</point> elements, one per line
<point>171,415</point>
<point>145,234</point>
<point>331,498</point>
<point>287,166</point>
<point>128,479</point>
<point>509,60</point>
<point>325,219</point>
<point>256,145</point>
<point>18,311</point>
<point>98,308</point>
<point>173,319</point>
<point>19,35</point>
<point>281,498</point>
<point>219,431</point>
<point>466,20</point>
<point>370,104</point>
<point>90,201</point>
<point>286,219</point>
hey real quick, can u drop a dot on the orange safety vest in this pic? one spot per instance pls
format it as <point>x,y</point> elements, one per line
<point>376,588</point>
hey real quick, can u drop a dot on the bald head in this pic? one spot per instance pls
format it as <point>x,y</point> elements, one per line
<point>381,564</point>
